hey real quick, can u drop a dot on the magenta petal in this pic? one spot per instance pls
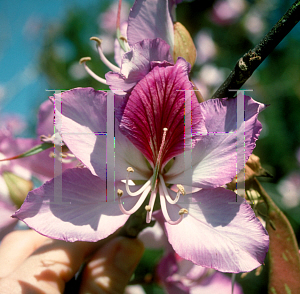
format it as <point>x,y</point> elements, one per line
<point>137,63</point>
<point>216,155</point>
<point>217,234</point>
<point>158,102</point>
<point>82,214</point>
<point>150,20</point>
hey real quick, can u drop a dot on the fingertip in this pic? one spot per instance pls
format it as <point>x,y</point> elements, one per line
<point>111,268</point>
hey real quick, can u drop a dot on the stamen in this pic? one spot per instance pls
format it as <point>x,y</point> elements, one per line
<point>83,61</point>
<point>165,212</point>
<point>130,169</point>
<point>181,189</point>
<point>158,163</point>
<point>148,207</point>
<point>139,191</point>
<point>183,211</point>
<point>151,204</point>
<point>137,205</point>
<point>102,56</point>
<point>123,38</point>
<point>165,191</point>
<point>120,192</point>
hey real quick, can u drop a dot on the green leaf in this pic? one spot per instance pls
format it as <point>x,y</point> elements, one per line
<point>35,150</point>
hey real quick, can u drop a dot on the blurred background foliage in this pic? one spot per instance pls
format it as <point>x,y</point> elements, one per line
<point>223,31</point>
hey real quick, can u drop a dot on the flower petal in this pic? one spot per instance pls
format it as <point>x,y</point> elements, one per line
<point>217,234</point>
<point>150,20</point>
<point>83,129</point>
<point>217,283</point>
<point>82,214</point>
<point>219,155</point>
<point>45,119</point>
<point>158,102</point>
<point>137,63</point>
<point>7,223</point>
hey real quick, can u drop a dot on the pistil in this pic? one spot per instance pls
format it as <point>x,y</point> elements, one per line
<point>158,161</point>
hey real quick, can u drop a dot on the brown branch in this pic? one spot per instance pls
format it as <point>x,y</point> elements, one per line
<point>247,64</point>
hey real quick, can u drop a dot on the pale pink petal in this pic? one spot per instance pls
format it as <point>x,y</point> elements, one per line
<point>218,233</point>
<point>217,283</point>
<point>83,129</point>
<point>45,119</point>
<point>81,214</point>
<point>137,63</point>
<point>215,156</point>
<point>154,237</point>
<point>155,103</point>
<point>150,20</point>
<point>165,269</point>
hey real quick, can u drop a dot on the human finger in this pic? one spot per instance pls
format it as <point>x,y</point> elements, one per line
<point>16,247</point>
<point>112,266</point>
<point>48,268</point>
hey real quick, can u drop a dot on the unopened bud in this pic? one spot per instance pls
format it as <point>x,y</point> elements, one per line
<point>183,44</point>
<point>18,187</point>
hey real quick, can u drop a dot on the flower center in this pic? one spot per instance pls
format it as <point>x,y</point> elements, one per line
<point>154,185</point>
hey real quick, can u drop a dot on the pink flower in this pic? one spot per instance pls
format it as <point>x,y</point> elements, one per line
<point>19,172</point>
<point>149,38</point>
<point>149,133</point>
<point>179,276</point>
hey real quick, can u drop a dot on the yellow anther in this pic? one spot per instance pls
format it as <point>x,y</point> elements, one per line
<point>183,211</point>
<point>120,192</point>
<point>99,41</point>
<point>181,189</point>
<point>148,207</point>
<point>123,38</point>
<point>165,129</point>
<point>84,59</point>
<point>130,169</point>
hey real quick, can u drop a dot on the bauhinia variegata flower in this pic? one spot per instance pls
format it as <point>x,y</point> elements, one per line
<point>149,150</point>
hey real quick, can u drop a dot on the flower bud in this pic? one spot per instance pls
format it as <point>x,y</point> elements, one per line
<point>183,44</point>
<point>253,169</point>
<point>18,187</point>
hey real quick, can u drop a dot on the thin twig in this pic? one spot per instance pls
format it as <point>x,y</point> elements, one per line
<point>247,64</point>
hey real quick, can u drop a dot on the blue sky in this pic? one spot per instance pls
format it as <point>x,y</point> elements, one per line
<point>22,24</point>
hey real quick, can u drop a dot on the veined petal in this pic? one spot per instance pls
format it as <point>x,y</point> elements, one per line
<point>217,234</point>
<point>150,20</point>
<point>223,151</point>
<point>137,63</point>
<point>82,213</point>
<point>83,129</point>
<point>158,102</point>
